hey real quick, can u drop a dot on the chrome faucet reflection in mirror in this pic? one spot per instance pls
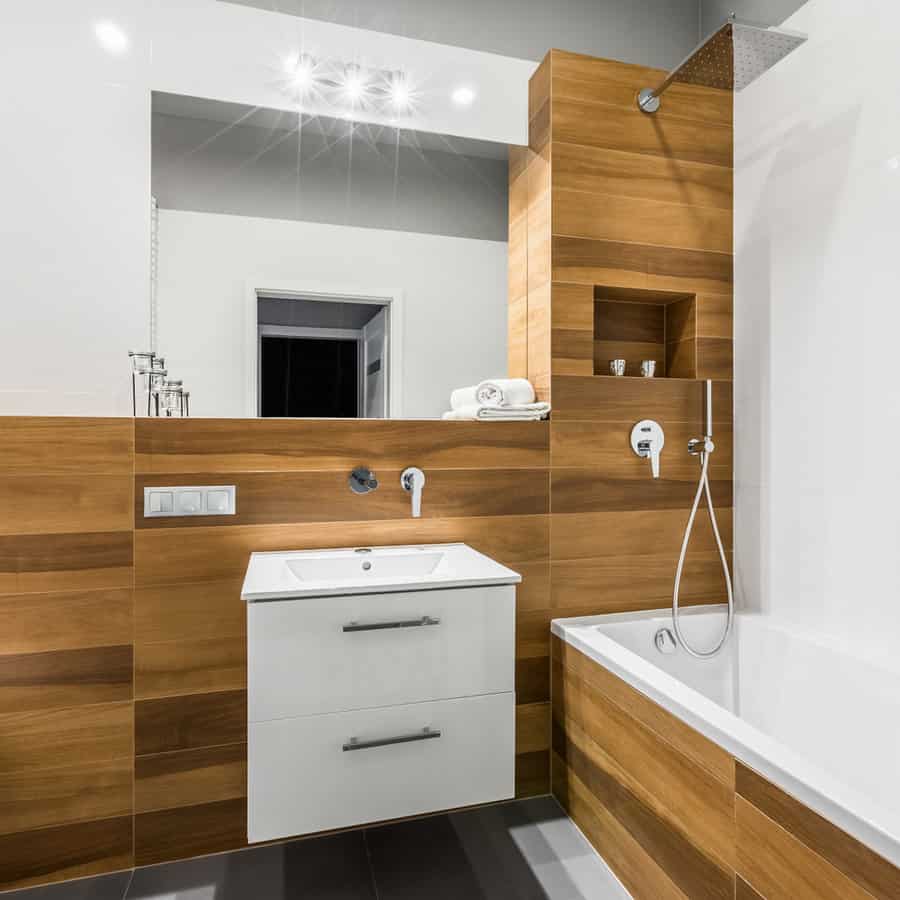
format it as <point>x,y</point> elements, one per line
<point>149,378</point>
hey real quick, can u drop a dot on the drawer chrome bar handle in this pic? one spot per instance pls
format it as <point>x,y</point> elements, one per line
<point>426,734</point>
<point>402,623</point>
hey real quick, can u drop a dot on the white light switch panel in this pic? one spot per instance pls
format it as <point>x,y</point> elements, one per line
<point>215,500</point>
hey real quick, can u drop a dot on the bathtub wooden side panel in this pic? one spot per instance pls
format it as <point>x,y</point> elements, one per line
<point>675,815</point>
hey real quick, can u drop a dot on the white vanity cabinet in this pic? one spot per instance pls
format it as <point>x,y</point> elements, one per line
<point>373,697</point>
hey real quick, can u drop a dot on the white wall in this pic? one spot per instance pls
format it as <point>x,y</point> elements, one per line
<point>454,297</point>
<point>817,242</point>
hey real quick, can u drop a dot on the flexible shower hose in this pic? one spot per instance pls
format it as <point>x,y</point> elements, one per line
<point>703,487</point>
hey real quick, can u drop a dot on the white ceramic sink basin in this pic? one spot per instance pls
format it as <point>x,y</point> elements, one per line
<point>369,570</point>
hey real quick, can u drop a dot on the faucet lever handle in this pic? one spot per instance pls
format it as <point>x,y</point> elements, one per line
<point>647,441</point>
<point>413,481</point>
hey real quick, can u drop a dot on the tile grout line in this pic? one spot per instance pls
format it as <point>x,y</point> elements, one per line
<point>128,886</point>
<point>365,832</point>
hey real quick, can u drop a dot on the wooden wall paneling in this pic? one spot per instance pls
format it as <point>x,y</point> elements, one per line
<point>66,656</point>
<point>518,262</point>
<point>166,447</point>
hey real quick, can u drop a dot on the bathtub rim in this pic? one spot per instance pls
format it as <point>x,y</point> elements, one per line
<point>833,799</point>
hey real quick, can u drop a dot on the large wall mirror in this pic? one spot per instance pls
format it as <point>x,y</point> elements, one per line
<point>309,265</point>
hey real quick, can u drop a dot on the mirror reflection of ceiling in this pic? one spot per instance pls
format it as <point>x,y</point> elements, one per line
<point>228,158</point>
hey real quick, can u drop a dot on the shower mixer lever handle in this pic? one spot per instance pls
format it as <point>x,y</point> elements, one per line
<point>647,441</point>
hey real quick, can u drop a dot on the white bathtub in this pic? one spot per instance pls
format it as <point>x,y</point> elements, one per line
<point>815,718</point>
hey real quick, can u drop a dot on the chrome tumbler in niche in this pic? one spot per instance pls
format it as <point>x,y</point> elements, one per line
<point>648,368</point>
<point>617,367</point>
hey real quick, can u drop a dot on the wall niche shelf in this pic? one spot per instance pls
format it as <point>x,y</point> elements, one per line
<point>635,324</point>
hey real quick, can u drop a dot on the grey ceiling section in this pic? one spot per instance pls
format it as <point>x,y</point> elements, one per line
<point>315,313</point>
<point>651,32</point>
<point>432,184</point>
<point>764,12</point>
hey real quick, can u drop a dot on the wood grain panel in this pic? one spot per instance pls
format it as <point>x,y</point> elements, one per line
<point>780,867</point>
<point>584,490</point>
<point>532,774</point>
<point>715,316</point>
<point>572,306</point>
<point>171,834</point>
<point>599,170</point>
<point>532,728</point>
<point>609,584</point>
<point>278,445</point>
<point>611,218</point>
<point>62,678</point>
<point>41,739</point>
<point>619,399</point>
<point>190,722</point>
<point>65,621</point>
<point>695,875</point>
<point>630,130</point>
<point>67,851</point>
<point>589,78</point>
<point>59,445</point>
<point>191,666</point>
<point>668,728</point>
<point>635,867</point>
<point>533,591</point>
<point>639,266</point>
<point>743,891</point>
<point>190,777</point>
<point>189,612</point>
<point>59,504</point>
<point>681,358</point>
<point>871,871</point>
<point>681,793</point>
<point>533,679</point>
<point>47,562</point>
<point>605,447</point>
<point>715,358</point>
<point>287,497</point>
<point>517,344</point>
<point>36,798</point>
<point>629,322</point>
<point>210,554</point>
<point>659,531</point>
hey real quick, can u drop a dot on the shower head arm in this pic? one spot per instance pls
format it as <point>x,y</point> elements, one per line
<point>648,98</point>
<point>734,55</point>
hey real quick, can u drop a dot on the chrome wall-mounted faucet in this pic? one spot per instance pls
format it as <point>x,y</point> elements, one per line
<point>412,481</point>
<point>647,441</point>
<point>362,480</point>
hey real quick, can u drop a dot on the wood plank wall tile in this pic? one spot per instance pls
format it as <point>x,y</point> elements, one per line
<point>676,815</point>
<point>66,632</point>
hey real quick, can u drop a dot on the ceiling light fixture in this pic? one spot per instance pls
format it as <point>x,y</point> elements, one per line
<point>401,96</point>
<point>463,96</point>
<point>354,84</point>
<point>303,73</point>
<point>112,38</point>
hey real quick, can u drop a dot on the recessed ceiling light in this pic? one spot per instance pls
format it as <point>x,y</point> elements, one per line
<point>354,84</point>
<point>303,73</point>
<point>401,95</point>
<point>463,96</point>
<point>111,37</point>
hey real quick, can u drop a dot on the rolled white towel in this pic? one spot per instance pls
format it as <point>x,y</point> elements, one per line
<point>504,392</point>
<point>464,396</point>
<point>525,412</point>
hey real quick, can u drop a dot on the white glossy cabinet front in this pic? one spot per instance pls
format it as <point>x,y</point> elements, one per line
<point>301,779</point>
<point>301,660</point>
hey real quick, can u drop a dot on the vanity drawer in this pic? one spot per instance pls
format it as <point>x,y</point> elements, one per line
<point>329,654</point>
<point>304,777</point>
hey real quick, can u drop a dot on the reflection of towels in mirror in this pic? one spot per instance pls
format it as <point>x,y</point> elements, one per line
<point>523,412</point>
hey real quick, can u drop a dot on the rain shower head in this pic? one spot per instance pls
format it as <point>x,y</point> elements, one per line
<point>732,57</point>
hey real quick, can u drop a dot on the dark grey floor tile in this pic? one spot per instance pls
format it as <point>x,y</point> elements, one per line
<point>326,868</point>
<point>422,859</point>
<point>103,887</point>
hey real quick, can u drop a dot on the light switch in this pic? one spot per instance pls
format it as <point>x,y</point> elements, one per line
<point>217,502</point>
<point>190,500</point>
